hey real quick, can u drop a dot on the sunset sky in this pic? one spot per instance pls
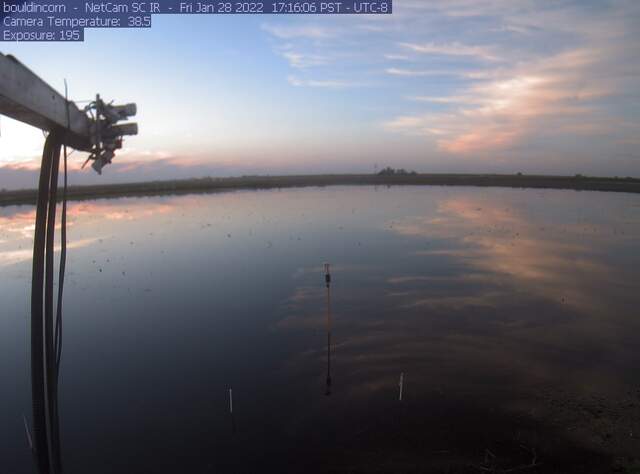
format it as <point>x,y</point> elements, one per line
<point>439,86</point>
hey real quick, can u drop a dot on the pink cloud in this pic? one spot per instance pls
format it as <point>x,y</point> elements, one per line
<point>552,95</point>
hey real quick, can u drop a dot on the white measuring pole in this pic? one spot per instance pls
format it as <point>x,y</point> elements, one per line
<point>401,384</point>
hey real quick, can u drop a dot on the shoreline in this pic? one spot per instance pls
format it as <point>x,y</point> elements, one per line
<point>212,185</point>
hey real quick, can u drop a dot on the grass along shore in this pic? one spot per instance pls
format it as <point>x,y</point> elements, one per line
<point>208,185</point>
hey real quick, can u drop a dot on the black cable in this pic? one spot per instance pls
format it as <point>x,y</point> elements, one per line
<point>45,339</point>
<point>46,330</point>
<point>49,266</point>
<point>57,337</point>
<point>50,337</point>
<point>63,246</point>
<point>37,327</point>
<point>63,260</point>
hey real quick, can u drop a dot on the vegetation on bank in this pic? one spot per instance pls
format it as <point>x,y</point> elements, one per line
<point>207,185</point>
<point>389,171</point>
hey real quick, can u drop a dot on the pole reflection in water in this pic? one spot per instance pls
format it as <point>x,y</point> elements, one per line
<point>327,279</point>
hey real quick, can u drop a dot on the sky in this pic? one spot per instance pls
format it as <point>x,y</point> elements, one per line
<point>477,86</point>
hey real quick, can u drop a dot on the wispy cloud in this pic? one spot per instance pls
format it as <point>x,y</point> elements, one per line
<point>299,31</point>
<point>547,95</point>
<point>302,60</point>
<point>453,49</point>
<point>397,57</point>
<point>327,84</point>
<point>454,99</point>
<point>393,71</point>
<point>490,75</point>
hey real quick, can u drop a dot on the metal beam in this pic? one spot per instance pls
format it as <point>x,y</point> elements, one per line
<point>27,98</point>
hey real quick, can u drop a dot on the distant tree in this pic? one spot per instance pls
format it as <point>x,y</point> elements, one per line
<point>388,171</point>
<point>578,175</point>
<point>519,173</point>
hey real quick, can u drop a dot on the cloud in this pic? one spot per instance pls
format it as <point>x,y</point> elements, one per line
<point>452,49</point>
<point>544,86</point>
<point>139,167</point>
<point>442,100</point>
<point>545,78</point>
<point>302,60</point>
<point>327,84</point>
<point>397,57</point>
<point>299,31</point>
<point>548,96</point>
<point>415,73</point>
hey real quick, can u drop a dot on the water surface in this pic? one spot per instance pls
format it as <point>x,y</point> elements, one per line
<point>512,314</point>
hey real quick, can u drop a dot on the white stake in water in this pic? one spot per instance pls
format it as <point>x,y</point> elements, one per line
<point>230,401</point>
<point>401,384</point>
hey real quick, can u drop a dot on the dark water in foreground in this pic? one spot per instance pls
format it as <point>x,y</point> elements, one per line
<point>513,315</point>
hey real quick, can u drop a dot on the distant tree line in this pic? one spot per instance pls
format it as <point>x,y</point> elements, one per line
<point>389,171</point>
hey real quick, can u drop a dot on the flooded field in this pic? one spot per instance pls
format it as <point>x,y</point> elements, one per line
<point>513,315</point>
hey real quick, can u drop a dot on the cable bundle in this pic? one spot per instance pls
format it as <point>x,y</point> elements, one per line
<point>46,332</point>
